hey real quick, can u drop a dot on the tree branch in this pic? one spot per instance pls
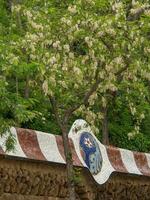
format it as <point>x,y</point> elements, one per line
<point>55,109</point>
<point>127,62</point>
<point>137,14</point>
<point>87,94</point>
<point>122,70</point>
<point>108,46</point>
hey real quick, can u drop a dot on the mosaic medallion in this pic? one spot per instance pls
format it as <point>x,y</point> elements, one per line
<point>90,152</point>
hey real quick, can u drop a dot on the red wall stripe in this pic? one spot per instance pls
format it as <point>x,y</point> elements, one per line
<point>114,156</point>
<point>29,144</point>
<point>60,145</point>
<point>75,158</point>
<point>141,162</point>
<point>1,150</point>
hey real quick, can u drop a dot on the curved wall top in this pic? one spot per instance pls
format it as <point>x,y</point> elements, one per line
<point>87,152</point>
<point>103,160</point>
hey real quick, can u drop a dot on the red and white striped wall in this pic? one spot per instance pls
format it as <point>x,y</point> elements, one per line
<point>37,145</point>
<point>42,146</point>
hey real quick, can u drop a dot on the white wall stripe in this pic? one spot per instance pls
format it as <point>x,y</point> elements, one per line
<point>129,161</point>
<point>49,148</point>
<point>18,152</point>
<point>2,141</point>
<point>148,158</point>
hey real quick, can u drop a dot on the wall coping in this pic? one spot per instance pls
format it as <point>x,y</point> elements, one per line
<point>87,152</point>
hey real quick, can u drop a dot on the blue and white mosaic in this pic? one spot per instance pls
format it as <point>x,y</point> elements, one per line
<point>91,152</point>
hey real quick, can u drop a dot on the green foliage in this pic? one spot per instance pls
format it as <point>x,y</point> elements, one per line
<point>121,123</point>
<point>55,48</point>
<point>77,176</point>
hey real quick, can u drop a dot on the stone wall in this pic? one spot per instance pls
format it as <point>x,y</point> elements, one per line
<point>28,180</point>
<point>29,197</point>
<point>125,187</point>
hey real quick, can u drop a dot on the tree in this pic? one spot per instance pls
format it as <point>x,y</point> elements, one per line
<point>81,54</point>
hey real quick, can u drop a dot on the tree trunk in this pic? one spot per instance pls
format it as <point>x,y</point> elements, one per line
<point>27,90</point>
<point>105,133</point>
<point>8,4</point>
<point>17,90</point>
<point>63,124</point>
<point>18,19</point>
<point>69,163</point>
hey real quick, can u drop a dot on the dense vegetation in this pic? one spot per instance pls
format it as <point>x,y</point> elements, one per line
<point>58,49</point>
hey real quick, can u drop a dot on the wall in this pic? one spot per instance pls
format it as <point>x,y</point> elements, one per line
<point>125,187</point>
<point>30,197</point>
<point>28,180</point>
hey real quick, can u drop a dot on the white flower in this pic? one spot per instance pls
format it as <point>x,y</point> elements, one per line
<point>45,87</point>
<point>95,64</point>
<point>72,9</point>
<point>137,128</point>
<point>133,110</point>
<point>147,50</point>
<point>52,80</point>
<point>36,26</point>
<point>48,42</point>
<point>63,84</point>
<point>90,2</point>
<point>29,14</point>
<point>142,116</point>
<point>87,39</point>
<point>118,60</point>
<point>134,3</point>
<point>95,26</point>
<point>104,101</point>
<point>32,48</point>
<point>71,55</point>
<point>76,86</point>
<point>109,67</point>
<point>46,54</point>
<point>92,54</point>
<point>68,22</point>
<point>56,44</point>
<point>32,37</point>
<point>92,98</point>
<point>111,31</point>
<point>16,8</point>
<point>100,33</point>
<point>89,43</point>
<point>14,60</point>
<point>32,56</point>
<point>117,6</point>
<point>53,60</point>
<point>76,70</point>
<point>147,12</point>
<point>66,47</point>
<point>41,35</point>
<point>131,135</point>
